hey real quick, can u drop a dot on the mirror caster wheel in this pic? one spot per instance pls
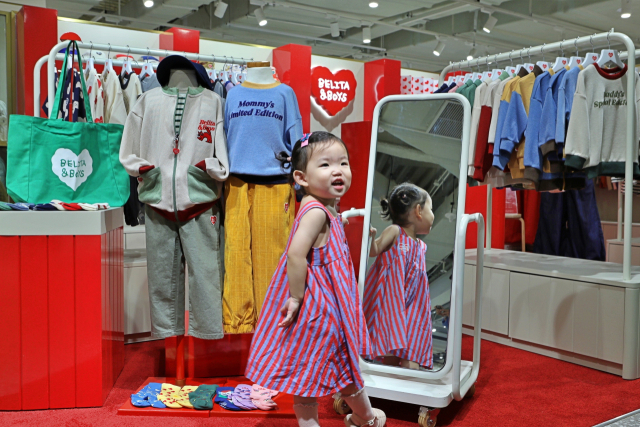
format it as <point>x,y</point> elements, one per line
<point>340,406</point>
<point>428,417</point>
<point>471,392</point>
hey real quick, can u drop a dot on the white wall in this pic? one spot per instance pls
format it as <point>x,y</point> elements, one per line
<point>15,5</point>
<point>103,34</point>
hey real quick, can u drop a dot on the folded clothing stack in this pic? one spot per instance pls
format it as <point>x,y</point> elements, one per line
<point>54,205</point>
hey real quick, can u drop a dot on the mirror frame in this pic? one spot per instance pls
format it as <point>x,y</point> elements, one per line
<point>458,261</point>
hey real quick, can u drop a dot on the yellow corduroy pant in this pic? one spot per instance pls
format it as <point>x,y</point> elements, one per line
<point>258,220</point>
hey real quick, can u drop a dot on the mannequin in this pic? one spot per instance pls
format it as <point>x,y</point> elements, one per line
<point>260,73</point>
<point>262,119</point>
<point>183,79</point>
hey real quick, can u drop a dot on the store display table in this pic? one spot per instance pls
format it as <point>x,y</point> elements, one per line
<point>571,309</point>
<point>284,401</point>
<point>62,305</point>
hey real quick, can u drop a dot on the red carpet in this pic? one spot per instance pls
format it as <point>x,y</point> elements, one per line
<point>515,388</point>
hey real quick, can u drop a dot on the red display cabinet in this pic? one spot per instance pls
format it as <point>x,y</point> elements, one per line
<point>62,305</point>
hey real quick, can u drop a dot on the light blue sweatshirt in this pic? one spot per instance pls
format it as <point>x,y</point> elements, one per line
<point>565,100</point>
<point>260,121</point>
<point>532,154</point>
<point>547,135</point>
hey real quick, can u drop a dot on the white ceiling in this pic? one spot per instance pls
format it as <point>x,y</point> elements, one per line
<point>401,29</point>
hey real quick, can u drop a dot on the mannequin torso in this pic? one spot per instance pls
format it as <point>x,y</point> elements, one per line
<point>260,75</point>
<point>183,79</point>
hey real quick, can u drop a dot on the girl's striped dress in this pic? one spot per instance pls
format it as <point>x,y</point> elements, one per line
<point>397,304</point>
<point>318,353</point>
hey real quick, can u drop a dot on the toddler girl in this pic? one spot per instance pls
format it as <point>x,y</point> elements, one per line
<point>311,328</point>
<point>397,305</point>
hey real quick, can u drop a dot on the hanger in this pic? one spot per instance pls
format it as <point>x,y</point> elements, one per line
<point>511,70</point>
<point>528,65</point>
<point>90,61</point>
<point>126,65</point>
<point>608,56</point>
<point>560,61</point>
<point>486,74</point>
<point>575,61</point>
<point>544,65</point>
<point>225,73</point>
<point>496,72</point>
<point>450,78</point>
<point>590,57</point>
<point>147,68</point>
<point>244,70</point>
<point>477,75</point>
<point>108,66</point>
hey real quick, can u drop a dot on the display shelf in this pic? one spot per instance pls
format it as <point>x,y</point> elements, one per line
<point>284,401</point>
<point>60,223</point>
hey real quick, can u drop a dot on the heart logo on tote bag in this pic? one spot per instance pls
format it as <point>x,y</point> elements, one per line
<point>73,170</point>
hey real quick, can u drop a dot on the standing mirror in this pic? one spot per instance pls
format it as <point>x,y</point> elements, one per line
<point>406,290</point>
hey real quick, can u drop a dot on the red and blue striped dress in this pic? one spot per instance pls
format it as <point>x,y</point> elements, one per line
<point>397,304</point>
<point>318,353</point>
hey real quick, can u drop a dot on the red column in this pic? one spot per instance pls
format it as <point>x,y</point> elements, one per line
<point>381,78</point>
<point>293,64</point>
<point>476,201</point>
<point>357,137</point>
<point>180,40</point>
<point>36,34</point>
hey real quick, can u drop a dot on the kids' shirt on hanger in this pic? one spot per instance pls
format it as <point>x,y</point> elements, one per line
<point>501,162</point>
<point>115,110</point>
<point>495,109</point>
<point>532,154</point>
<point>96,95</point>
<point>261,120</point>
<point>131,89</point>
<point>484,150</point>
<point>597,135</point>
<point>566,92</point>
<point>475,121</point>
<point>148,82</point>
<point>512,138</point>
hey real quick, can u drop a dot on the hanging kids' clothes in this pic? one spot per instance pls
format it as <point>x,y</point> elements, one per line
<point>148,82</point>
<point>115,110</point>
<point>96,95</point>
<point>597,134</point>
<point>261,120</point>
<point>131,89</point>
<point>174,143</point>
<point>318,354</point>
<point>397,305</point>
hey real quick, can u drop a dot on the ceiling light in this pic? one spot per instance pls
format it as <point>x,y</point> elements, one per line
<point>335,29</point>
<point>625,11</point>
<point>366,35</point>
<point>472,54</point>
<point>148,3</point>
<point>439,47</point>
<point>373,4</point>
<point>221,8</point>
<point>262,20</point>
<point>491,22</point>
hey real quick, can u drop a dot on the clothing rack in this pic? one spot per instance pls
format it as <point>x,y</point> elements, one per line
<point>55,50</point>
<point>632,144</point>
<point>60,57</point>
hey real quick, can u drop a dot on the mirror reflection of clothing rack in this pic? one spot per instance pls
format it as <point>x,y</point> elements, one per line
<point>545,277</point>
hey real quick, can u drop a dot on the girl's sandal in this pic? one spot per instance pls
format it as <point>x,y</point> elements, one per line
<point>379,420</point>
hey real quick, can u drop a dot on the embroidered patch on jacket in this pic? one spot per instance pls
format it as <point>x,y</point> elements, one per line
<point>286,208</point>
<point>214,219</point>
<point>205,130</point>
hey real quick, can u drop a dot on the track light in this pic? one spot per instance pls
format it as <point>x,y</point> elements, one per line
<point>491,22</point>
<point>221,8</point>
<point>625,10</point>
<point>366,35</point>
<point>472,54</point>
<point>262,20</point>
<point>148,3</point>
<point>373,4</point>
<point>439,47</point>
<point>335,29</point>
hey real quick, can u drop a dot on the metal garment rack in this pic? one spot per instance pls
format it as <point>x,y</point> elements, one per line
<point>55,50</point>
<point>632,143</point>
<point>60,57</point>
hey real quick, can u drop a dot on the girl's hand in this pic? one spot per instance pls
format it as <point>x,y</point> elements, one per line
<point>345,221</point>
<point>372,232</point>
<point>290,311</point>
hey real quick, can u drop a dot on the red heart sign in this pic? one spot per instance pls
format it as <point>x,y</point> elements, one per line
<point>564,61</point>
<point>332,91</point>
<point>595,58</point>
<point>544,65</point>
<point>610,54</point>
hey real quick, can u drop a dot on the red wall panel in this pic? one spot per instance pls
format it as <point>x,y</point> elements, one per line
<point>381,78</point>
<point>476,201</point>
<point>182,41</point>
<point>10,349</point>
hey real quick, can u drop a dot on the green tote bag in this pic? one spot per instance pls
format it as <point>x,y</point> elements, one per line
<point>54,159</point>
